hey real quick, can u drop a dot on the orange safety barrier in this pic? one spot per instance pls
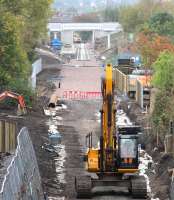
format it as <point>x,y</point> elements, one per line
<point>79,95</point>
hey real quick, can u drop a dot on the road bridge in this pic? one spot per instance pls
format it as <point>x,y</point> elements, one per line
<point>98,29</point>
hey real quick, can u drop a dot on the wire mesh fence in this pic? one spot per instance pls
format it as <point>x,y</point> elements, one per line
<point>22,180</point>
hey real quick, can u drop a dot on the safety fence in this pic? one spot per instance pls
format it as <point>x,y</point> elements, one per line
<point>8,137</point>
<point>36,69</point>
<point>22,180</point>
<point>79,95</point>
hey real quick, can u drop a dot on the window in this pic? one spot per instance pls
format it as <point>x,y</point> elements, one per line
<point>128,148</point>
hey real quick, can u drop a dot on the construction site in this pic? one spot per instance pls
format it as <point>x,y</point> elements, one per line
<point>87,131</point>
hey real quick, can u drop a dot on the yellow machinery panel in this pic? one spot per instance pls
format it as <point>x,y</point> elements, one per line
<point>93,160</point>
<point>124,171</point>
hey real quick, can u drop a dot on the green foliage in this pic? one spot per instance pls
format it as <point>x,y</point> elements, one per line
<point>162,23</point>
<point>33,16</point>
<point>22,87</point>
<point>111,14</point>
<point>163,111</point>
<point>164,80</point>
<point>163,71</point>
<point>133,17</point>
<point>22,26</point>
<point>159,116</point>
<point>13,58</point>
<point>85,35</point>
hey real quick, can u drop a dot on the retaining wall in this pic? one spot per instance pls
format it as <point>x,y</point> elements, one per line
<point>139,94</point>
<point>22,180</point>
<point>123,84</point>
<point>36,69</point>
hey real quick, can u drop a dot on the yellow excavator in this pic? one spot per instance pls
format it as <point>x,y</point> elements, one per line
<point>116,161</point>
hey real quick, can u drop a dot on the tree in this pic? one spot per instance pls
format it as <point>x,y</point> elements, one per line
<point>33,16</point>
<point>163,79</point>
<point>23,23</point>
<point>13,58</point>
<point>162,23</point>
<point>111,14</point>
<point>150,45</point>
<point>163,71</point>
<point>131,17</point>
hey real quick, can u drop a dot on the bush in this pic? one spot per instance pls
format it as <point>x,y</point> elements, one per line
<point>20,86</point>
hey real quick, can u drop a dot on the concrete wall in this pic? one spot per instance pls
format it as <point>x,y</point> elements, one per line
<point>22,180</point>
<point>36,69</point>
<point>139,94</point>
<point>67,37</point>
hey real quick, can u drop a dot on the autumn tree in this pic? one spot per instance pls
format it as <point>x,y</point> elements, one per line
<point>150,45</point>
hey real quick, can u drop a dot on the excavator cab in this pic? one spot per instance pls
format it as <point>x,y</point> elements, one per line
<point>128,153</point>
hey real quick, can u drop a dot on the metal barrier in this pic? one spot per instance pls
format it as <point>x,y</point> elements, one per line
<point>8,138</point>
<point>139,94</point>
<point>121,81</point>
<point>22,180</point>
<point>124,84</point>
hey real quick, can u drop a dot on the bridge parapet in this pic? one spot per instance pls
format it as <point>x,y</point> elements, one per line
<point>110,27</point>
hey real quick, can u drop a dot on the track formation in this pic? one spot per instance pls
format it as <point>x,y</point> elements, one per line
<point>82,52</point>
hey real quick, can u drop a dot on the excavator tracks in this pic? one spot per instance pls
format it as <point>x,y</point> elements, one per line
<point>83,186</point>
<point>139,187</point>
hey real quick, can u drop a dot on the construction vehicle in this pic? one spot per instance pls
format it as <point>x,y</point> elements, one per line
<point>21,106</point>
<point>116,161</point>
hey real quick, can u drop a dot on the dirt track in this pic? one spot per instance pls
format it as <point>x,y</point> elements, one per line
<point>80,118</point>
<point>80,123</point>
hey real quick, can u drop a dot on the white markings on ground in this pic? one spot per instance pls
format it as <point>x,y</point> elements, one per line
<point>53,123</point>
<point>122,119</point>
<point>56,198</point>
<point>145,160</point>
<point>53,112</point>
<point>82,52</point>
<point>98,117</point>
<point>59,163</point>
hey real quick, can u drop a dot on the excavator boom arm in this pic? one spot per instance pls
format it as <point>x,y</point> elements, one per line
<point>20,98</point>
